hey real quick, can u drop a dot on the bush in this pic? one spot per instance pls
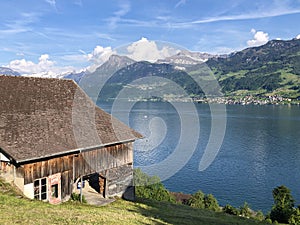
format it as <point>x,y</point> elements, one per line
<point>245,210</point>
<point>280,214</point>
<point>283,207</point>
<point>259,216</point>
<point>150,187</point>
<point>76,197</point>
<point>211,203</point>
<point>197,200</point>
<point>295,217</point>
<point>230,210</point>
<point>268,220</point>
<point>201,201</point>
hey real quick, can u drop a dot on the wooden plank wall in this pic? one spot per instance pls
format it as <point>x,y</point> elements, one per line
<point>42,169</point>
<point>103,159</point>
<point>84,164</point>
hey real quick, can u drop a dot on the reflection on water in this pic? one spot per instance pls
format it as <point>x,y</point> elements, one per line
<point>261,150</point>
<point>155,122</point>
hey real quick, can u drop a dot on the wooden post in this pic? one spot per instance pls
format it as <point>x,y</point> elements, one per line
<point>81,184</point>
<point>73,175</point>
<point>73,165</point>
<point>106,192</point>
<point>14,175</point>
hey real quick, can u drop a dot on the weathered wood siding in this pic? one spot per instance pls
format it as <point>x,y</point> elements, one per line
<point>103,159</point>
<point>119,179</point>
<point>74,166</point>
<point>41,169</point>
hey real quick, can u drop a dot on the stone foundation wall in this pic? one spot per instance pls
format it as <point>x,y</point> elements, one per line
<point>120,181</point>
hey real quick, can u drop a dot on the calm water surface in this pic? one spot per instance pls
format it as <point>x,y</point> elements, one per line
<point>260,151</point>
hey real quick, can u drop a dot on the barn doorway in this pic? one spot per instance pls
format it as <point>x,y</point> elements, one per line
<point>95,182</point>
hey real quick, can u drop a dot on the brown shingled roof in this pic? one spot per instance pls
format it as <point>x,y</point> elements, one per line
<point>43,117</point>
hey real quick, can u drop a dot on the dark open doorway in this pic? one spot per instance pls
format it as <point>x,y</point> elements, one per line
<point>97,182</point>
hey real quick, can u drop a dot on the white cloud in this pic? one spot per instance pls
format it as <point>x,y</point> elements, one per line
<point>44,67</point>
<point>98,56</point>
<point>181,2</point>
<point>298,36</point>
<point>75,58</point>
<point>259,38</point>
<point>222,50</point>
<point>278,8</point>
<point>52,3</point>
<point>145,50</point>
<point>142,50</point>
<point>20,24</point>
<point>78,2</point>
<point>124,9</point>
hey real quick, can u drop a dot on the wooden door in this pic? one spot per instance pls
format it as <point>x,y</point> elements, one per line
<point>102,184</point>
<point>54,188</point>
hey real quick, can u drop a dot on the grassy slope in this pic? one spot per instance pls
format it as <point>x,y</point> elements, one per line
<point>255,69</point>
<point>16,210</point>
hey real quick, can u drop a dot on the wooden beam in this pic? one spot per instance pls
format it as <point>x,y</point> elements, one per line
<point>81,184</point>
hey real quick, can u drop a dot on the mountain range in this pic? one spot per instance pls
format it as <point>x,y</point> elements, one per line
<point>272,69</point>
<point>8,71</point>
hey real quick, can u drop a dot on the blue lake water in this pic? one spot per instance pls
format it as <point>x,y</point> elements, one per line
<point>260,149</point>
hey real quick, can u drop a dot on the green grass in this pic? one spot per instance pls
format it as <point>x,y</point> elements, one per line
<point>289,85</point>
<point>237,75</point>
<point>16,210</point>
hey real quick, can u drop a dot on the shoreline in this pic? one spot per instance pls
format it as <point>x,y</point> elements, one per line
<point>221,101</point>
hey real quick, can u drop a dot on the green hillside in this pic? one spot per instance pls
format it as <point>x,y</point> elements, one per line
<point>273,68</point>
<point>15,209</point>
<point>152,72</point>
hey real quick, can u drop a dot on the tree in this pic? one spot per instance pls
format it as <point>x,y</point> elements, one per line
<point>259,216</point>
<point>197,200</point>
<point>230,210</point>
<point>211,203</point>
<point>295,218</point>
<point>150,187</point>
<point>283,204</point>
<point>245,210</point>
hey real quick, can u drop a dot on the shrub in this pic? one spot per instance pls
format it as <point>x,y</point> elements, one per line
<point>230,210</point>
<point>197,200</point>
<point>76,197</point>
<point>295,217</point>
<point>150,187</point>
<point>201,201</point>
<point>259,216</point>
<point>245,210</point>
<point>211,203</point>
<point>283,207</point>
<point>268,220</point>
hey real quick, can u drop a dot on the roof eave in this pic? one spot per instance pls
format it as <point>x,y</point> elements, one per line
<point>7,155</point>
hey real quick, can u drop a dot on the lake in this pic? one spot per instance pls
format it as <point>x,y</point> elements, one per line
<point>260,149</point>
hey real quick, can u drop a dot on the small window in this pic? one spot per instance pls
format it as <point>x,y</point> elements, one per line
<point>40,189</point>
<point>54,191</point>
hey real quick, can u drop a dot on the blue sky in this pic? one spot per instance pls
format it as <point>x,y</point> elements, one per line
<point>62,35</point>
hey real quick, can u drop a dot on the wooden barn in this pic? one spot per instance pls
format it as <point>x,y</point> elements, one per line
<point>52,135</point>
